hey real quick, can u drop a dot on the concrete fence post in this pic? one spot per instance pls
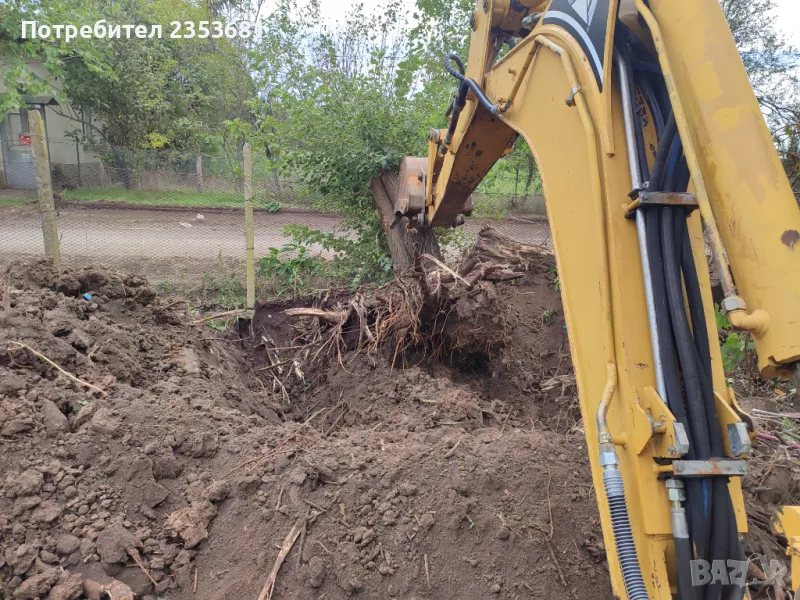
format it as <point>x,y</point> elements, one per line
<point>249,229</point>
<point>44,185</point>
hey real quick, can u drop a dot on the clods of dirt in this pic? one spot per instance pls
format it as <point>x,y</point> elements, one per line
<point>189,467</point>
<point>184,467</point>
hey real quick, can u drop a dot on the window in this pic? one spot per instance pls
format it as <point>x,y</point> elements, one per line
<point>24,124</point>
<point>86,119</point>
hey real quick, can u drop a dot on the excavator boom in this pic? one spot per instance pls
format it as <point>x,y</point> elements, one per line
<point>649,141</point>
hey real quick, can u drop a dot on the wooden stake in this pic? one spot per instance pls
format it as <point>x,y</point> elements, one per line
<point>249,229</point>
<point>198,165</point>
<point>44,185</point>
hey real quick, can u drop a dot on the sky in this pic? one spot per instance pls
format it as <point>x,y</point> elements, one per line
<point>789,17</point>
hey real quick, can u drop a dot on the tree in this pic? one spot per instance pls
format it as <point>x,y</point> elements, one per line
<point>147,93</point>
<point>352,104</point>
<point>16,52</point>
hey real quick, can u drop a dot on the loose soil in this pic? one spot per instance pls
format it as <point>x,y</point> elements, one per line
<point>434,474</point>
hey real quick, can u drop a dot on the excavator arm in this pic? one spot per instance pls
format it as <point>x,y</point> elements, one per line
<point>647,135</point>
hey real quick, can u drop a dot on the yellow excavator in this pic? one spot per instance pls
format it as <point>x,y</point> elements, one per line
<point>653,151</point>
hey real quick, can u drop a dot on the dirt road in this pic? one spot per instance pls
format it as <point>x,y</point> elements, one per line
<point>113,233</point>
<point>160,242</point>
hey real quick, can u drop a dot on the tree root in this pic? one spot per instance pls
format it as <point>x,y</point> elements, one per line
<point>430,306</point>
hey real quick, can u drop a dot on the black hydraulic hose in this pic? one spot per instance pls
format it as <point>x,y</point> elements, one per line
<point>695,511</point>
<point>683,339</point>
<point>695,492</point>
<point>655,108</point>
<point>700,331</point>
<point>669,179</point>
<point>685,351</point>
<point>460,100</point>
<point>683,175</point>
<point>735,551</point>
<point>452,57</point>
<point>725,542</point>
<point>670,130</point>
<point>695,406</point>
<point>683,557</point>
<point>641,154</point>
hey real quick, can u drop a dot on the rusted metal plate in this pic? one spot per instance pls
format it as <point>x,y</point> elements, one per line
<point>715,467</point>
<point>411,186</point>
<point>667,199</point>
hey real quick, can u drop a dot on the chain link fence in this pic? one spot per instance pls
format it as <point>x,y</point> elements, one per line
<point>179,219</point>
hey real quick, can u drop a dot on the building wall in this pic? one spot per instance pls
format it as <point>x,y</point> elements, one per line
<point>63,150</point>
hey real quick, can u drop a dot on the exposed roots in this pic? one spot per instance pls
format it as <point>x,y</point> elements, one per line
<point>431,307</point>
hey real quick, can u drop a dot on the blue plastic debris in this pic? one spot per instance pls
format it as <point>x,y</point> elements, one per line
<point>87,297</point>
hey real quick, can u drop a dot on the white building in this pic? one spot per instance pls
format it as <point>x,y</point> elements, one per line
<point>68,159</point>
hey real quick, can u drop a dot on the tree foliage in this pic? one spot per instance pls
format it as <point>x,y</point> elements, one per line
<point>147,93</point>
<point>331,104</point>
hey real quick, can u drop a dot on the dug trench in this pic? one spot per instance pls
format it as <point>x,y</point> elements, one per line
<point>420,441</point>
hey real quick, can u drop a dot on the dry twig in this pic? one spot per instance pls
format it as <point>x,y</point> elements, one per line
<point>556,563</point>
<point>286,547</point>
<point>549,504</point>
<point>77,380</point>
<point>134,554</point>
<point>228,313</point>
<point>452,450</point>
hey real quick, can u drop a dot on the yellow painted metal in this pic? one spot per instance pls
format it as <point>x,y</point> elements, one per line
<point>585,188</point>
<point>787,523</point>
<point>732,154</point>
<point>546,92</point>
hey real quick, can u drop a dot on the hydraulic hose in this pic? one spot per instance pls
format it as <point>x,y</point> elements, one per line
<point>658,116</point>
<point>623,535</point>
<point>458,71</point>
<point>660,164</point>
<point>460,100</point>
<point>685,344</point>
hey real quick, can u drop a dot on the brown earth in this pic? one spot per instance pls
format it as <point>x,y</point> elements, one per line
<point>460,476</point>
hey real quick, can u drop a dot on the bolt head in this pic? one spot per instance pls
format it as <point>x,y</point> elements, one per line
<point>676,495</point>
<point>732,303</point>
<point>608,458</point>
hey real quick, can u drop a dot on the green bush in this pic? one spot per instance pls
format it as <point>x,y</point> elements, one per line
<point>734,348</point>
<point>293,266</point>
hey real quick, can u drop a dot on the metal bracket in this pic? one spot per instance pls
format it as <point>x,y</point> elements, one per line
<point>642,198</point>
<point>681,439</point>
<point>570,101</point>
<point>668,199</point>
<point>715,467</point>
<point>739,439</point>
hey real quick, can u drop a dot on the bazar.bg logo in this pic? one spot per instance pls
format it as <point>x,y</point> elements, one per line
<point>734,572</point>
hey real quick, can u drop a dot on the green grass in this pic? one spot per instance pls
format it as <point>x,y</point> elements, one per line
<point>17,200</point>
<point>185,198</point>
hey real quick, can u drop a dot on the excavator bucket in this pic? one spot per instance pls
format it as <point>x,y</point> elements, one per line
<point>412,190</point>
<point>411,185</point>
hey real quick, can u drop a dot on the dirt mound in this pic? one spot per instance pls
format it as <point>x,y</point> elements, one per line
<point>179,460</point>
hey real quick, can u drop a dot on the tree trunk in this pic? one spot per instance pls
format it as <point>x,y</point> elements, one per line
<point>404,243</point>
